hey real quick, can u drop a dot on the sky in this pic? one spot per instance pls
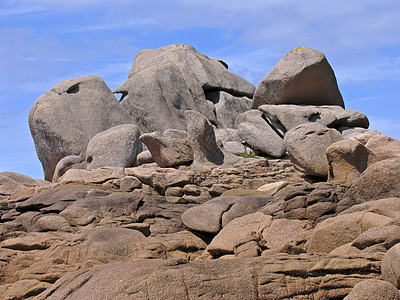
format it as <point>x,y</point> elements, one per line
<point>44,42</point>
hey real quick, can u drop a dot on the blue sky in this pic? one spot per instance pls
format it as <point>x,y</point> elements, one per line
<point>48,41</point>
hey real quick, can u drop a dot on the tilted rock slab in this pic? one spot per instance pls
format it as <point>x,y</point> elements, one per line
<point>303,76</point>
<point>306,145</point>
<point>286,116</point>
<point>169,149</point>
<point>206,152</point>
<point>63,120</point>
<point>262,138</point>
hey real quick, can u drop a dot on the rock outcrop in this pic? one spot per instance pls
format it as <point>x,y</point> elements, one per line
<point>310,211</point>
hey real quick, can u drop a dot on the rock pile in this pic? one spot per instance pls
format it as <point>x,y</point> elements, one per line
<point>274,192</point>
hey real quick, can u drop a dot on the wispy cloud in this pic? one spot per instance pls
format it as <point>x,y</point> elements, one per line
<point>387,126</point>
<point>382,69</point>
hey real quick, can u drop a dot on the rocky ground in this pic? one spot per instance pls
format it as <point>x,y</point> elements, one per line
<point>181,191</point>
<point>260,230</point>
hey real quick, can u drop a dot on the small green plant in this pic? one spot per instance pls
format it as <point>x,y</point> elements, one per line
<point>105,168</point>
<point>245,155</point>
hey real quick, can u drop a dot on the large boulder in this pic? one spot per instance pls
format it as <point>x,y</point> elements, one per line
<point>306,145</point>
<point>211,74</point>
<point>115,147</point>
<point>303,76</point>
<point>63,120</point>
<point>165,82</point>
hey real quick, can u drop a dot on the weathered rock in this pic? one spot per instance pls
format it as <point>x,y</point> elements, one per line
<point>272,188</point>
<point>165,82</point>
<point>227,135</point>
<point>373,289</point>
<point>180,245</point>
<point>144,157</point>
<point>210,74</point>
<point>389,207</point>
<point>52,223</point>
<point>9,185</point>
<point>206,152</point>
<point>364,137</point>
<point>285,117</point>
<point>68,162</point>
<point>347,159</point>
<point>303,76</point>
<point>157,96</point>
<point>353,118</point>
<point>167,150</point>
<point>21,178</point>
<point>380,180</point>
<point>265,231</point>
<point>213,215</point>
<point>229,107</point>
<point>391,266</point>
<point>48,199</point>
<point>350,132</point>
<point>384,147</point>
<point>24,289</point>
<point>63,120</point>
<point>95,208</point>
<point>100,175</point>
<point>337,231</point>
<point>387,236</point>
<point>106,245</point>
<point>306,145</point>
<point>237,147</point>
<point>251,116</point>
<point>115,147</point>
<point>255,278</point>
<point>262,138</point>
